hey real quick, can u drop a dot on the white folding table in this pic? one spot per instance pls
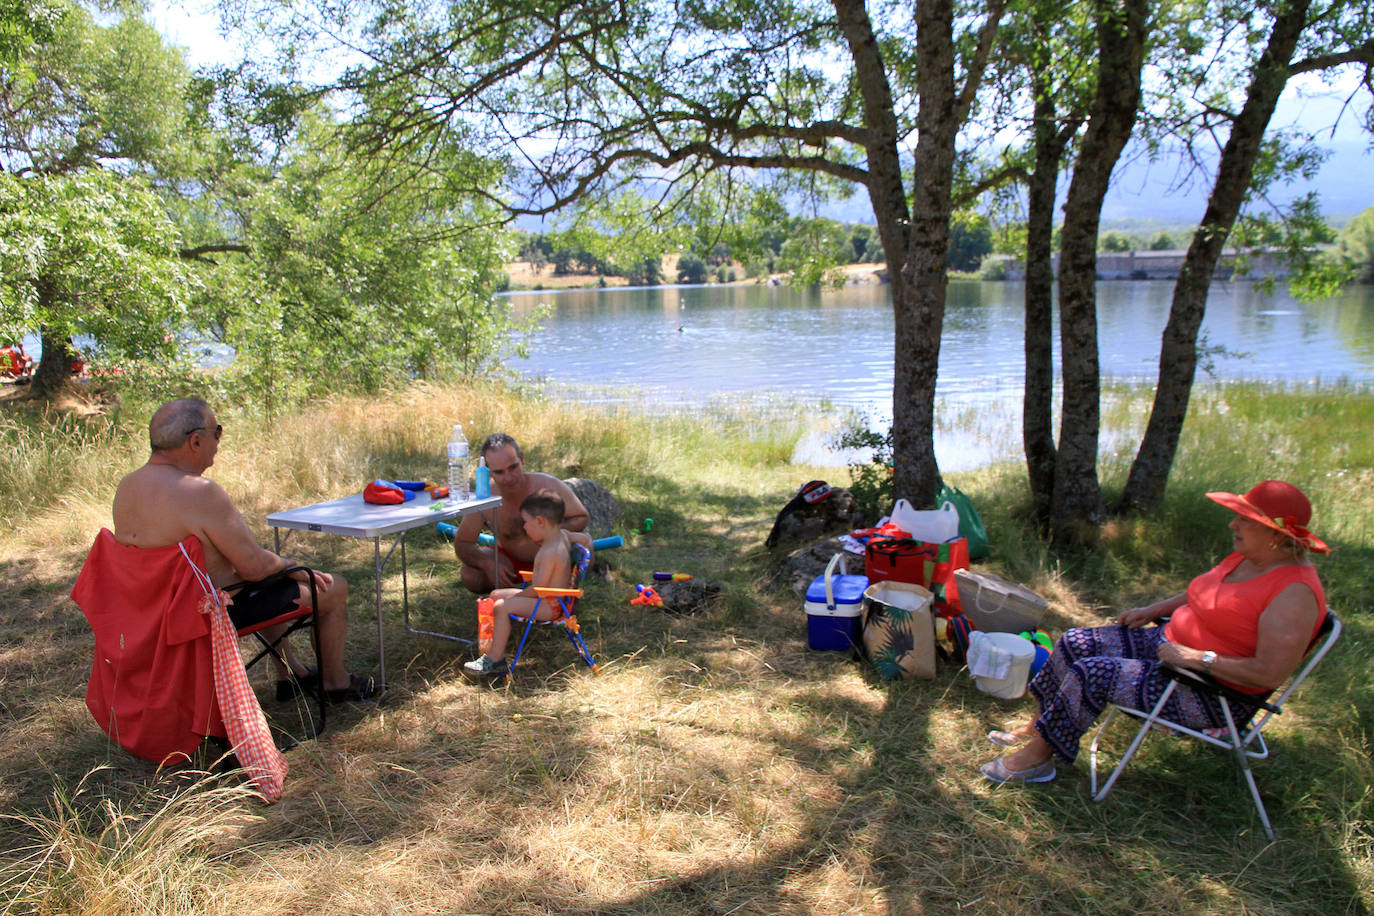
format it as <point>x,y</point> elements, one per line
<point>354,518</point>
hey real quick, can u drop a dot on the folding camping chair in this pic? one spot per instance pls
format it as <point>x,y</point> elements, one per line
<point>297,618</point>
<point>566,600</point>
<point>1242,736</point>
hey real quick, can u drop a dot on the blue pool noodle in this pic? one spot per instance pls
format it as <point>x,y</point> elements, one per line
<point>486,539</point>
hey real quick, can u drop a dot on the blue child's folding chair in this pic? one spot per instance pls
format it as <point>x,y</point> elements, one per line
<point>566,600</point>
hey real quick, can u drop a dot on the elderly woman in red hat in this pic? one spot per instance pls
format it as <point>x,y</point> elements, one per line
<point>1247,622</point>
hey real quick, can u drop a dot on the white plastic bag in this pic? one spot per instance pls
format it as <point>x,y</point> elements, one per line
<point>936,525</point>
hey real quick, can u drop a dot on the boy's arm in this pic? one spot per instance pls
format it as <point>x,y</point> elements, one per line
<point>581,537</point>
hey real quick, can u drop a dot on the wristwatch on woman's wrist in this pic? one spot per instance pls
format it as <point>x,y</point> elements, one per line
<point>1208,658</point>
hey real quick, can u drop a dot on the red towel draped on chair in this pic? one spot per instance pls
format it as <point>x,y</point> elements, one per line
<point>152,686</point>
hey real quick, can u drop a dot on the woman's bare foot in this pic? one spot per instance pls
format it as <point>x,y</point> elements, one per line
<point>1033,754</point>
<point>1012,736</point>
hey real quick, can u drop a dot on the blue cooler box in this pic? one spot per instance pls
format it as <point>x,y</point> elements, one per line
<point>833,621</point>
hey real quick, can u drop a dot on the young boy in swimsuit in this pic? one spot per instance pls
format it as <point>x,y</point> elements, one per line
<point>542,516</point>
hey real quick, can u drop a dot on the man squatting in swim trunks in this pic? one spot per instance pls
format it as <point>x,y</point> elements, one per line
<point>511,482</point>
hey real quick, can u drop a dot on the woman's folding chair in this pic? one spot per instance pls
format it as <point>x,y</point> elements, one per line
<point>566,600</point>
<point>1243,735</point>
<point>298,618</point>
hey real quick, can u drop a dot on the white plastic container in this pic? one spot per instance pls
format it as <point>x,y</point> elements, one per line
<point>1000,663</point>
<point>457,451</point>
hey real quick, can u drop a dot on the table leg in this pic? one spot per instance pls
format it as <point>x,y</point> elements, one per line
<point>496,546</point>
<point>405,582</point>
<point>377,582</point>
<point>405,590</point>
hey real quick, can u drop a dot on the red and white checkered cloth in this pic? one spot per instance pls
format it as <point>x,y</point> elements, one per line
<point>238,705</point>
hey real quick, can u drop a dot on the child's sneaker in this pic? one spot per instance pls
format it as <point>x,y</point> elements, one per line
<point>484,667</point>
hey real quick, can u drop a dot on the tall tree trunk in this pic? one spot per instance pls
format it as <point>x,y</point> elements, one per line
<point>1077,502</point>
<point>1178,352</point>
<point>1037,423</point>
<point>885,190</point>
<point>919,307</point>
<point>56,365</point>
<point>888,197</point>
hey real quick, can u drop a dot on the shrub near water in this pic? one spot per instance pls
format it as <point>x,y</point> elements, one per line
<point>717,764</point>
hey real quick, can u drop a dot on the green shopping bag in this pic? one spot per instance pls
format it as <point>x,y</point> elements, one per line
<point>970,523</point>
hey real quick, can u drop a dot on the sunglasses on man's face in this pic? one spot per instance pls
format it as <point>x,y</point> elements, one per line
<point>219,430</point>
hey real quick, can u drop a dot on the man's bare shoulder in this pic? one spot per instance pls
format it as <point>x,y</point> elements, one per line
<point>162,479</point>
<point>157,504</point>
<point>538,480</point>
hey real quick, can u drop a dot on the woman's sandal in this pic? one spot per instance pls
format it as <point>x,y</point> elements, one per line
<point>359,688</point>
<point>997,771</point>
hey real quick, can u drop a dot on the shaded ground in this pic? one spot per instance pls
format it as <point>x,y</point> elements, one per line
<point>716,766</point>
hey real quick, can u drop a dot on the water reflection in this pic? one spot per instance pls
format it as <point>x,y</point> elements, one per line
<point>681,346</point>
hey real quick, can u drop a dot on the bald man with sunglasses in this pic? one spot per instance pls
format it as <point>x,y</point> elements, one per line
<point>511,482</point>
<point>168,499</point>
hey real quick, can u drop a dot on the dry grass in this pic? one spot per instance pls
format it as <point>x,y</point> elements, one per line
<point>716,766</point>
<point>524,275</point>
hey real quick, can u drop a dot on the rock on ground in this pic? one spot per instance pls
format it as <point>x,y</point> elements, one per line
<point>601,505</point>
<point>690,597</point>
<point>800,568</point>
<point>837,514</point>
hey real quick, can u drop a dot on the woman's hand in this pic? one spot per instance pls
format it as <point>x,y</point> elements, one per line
<point>1136,617</point>
<point>1180,656</point>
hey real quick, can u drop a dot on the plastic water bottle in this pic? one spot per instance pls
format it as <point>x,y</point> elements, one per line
<point>482,478</point>
<point>458,464</point>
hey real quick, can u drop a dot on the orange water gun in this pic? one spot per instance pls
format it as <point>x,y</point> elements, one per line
<point>646,596</point>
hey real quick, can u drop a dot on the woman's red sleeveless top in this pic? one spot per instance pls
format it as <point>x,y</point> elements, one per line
<point>1224,616</point>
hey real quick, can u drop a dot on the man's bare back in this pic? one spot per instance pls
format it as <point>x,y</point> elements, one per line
<point>158,505</point>
<point>168,499</point>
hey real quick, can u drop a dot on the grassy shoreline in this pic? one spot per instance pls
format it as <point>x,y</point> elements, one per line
<point>717,764</point>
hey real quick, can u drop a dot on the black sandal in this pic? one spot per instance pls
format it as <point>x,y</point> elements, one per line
<point>359,688</point>
<point>290,688</point>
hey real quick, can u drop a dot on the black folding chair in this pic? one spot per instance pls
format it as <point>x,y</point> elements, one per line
<point>298,618</point>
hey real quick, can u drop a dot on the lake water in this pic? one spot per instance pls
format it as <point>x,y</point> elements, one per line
<point>684,346</point>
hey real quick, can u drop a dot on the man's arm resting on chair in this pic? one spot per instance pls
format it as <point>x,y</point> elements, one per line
<point>220,522</point>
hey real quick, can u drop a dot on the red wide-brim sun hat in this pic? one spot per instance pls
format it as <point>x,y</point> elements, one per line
<point>1278,505</point>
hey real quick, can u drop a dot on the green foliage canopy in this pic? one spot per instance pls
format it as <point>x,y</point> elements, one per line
<point>1356,245</point>
<point>970,240</point>
<point>92,254</point>
<point>375,285</point>
<point>86,95</point>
